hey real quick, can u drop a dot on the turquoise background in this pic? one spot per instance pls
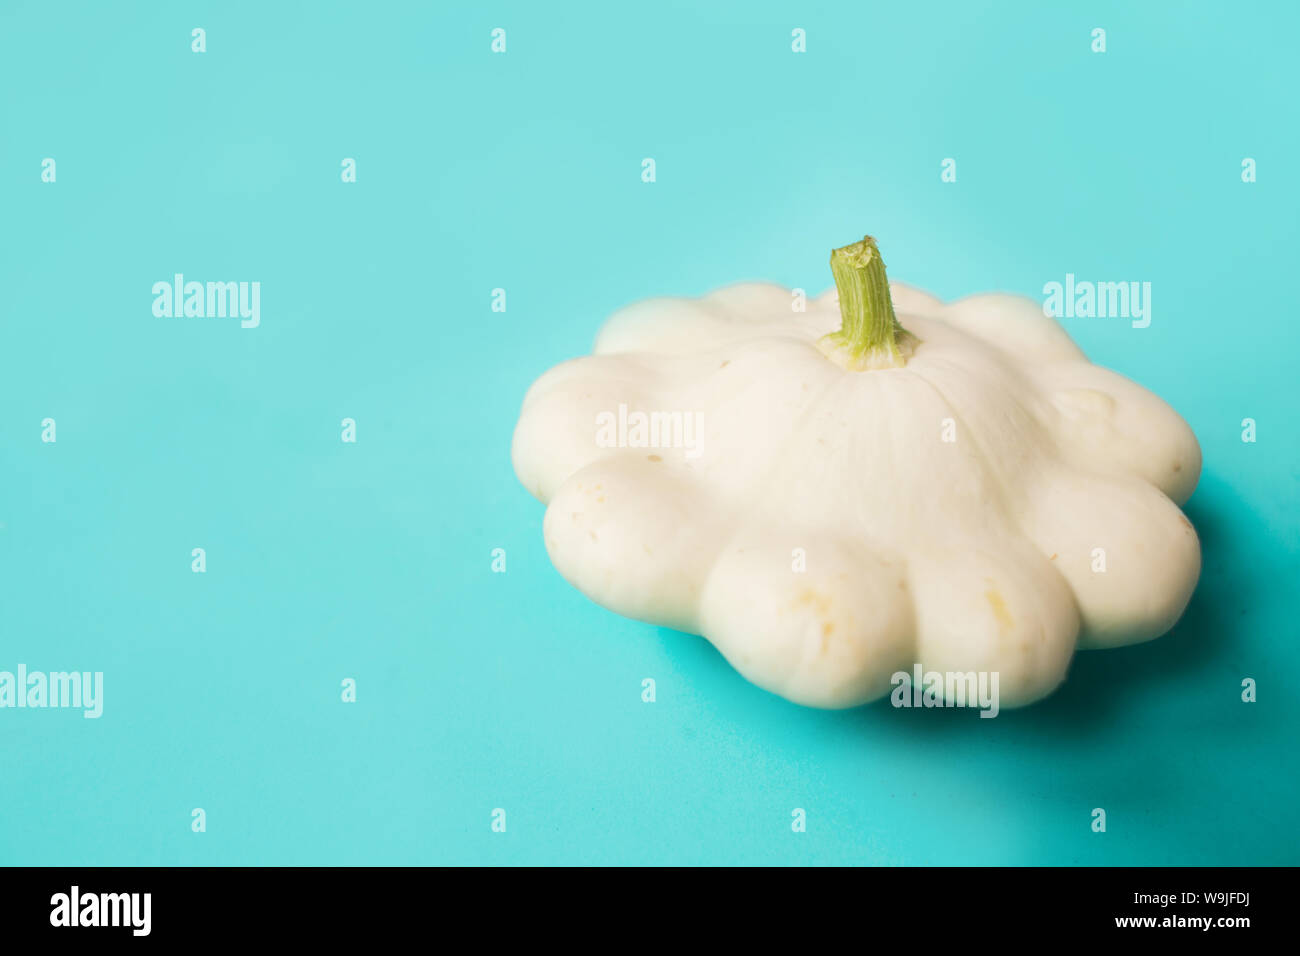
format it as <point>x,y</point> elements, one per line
<point>372,561</point>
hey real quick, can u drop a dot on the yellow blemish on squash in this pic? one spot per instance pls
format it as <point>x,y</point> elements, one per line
<point>593,535</point>
<point>821,606</point>
<point>600,500</point>
<point>1000,612</point>
<point>725,364</point>
<point>654,458</point>
<point>810,598</point>
<point>1052,558</point>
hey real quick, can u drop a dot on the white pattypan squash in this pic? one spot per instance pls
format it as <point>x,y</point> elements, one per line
<point>970,494</point>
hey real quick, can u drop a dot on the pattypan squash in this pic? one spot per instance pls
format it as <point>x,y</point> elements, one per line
<point>875,481</point>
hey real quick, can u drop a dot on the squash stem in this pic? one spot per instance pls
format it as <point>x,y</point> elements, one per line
<point>870,332</point>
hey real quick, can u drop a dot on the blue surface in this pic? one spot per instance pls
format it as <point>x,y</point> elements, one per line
<point>372,561</point>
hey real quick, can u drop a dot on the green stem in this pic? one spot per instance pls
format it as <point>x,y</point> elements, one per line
<point>869,332</point>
